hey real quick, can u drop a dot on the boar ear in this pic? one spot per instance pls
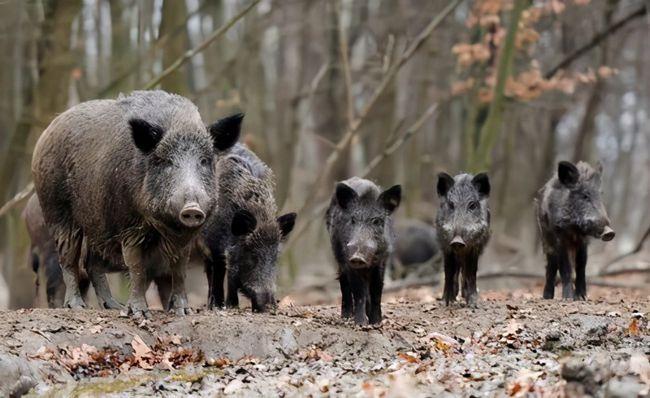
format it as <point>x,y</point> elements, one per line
<point>445,182</point>
<point>568,173</point>
<point>243,223</point>
<point>390,198</point>
<point>345,195</point>
<point>286,223</point>
<point>145,135</point>
<point>482,184</point>
<point>225,132</point>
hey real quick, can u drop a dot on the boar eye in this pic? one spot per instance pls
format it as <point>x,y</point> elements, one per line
<point>472,205</point>
<point>377,222</point>
<point>451,206</point>
<point>353,220</point>
<point>205,162</point>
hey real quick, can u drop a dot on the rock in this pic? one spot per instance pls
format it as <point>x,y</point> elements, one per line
<point>288,343</point>
<point>624,387</point>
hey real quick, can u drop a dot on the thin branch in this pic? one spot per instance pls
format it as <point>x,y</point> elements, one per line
<point>400,141</point>
<point>599,37</point>
<point>19,197</point>
<point>202,46</point>
<point>345,61</point>
<point>353,127</point>
<point>376,161</point>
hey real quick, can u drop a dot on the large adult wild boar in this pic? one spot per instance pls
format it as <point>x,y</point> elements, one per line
<point>569,212</point>
<point>133,176</point>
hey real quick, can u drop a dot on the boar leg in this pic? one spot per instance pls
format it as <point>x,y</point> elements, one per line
<point>469,280</point>
<point>346,296</point>
<point>581,265</point>
<point>216,270</point>
<point>551,274</point>
<point>232,298</point>
<point>376,287</point>
<point>360,295</point>
<point>178,300</point>
<point>69,245</point>
<point>164,285</point>
<point>137,303</point>
<point>564,264</point>
<point>103,291</point>
<point>450,290</point>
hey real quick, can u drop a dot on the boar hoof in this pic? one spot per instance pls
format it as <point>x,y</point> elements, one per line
<point>472,302</point>
<point>75,303</point>
<point>580,297</point>
<point>111,304</point>
<point>548,295</point>
<point>178,305</point>
<point>137,310</point>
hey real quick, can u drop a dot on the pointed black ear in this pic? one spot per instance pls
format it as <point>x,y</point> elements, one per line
<point>390,198</point>
<point>482,184</point>
<point>286,223</point>
<point>445,182</point>
<point>345,195</point>
<point>243,223</point>
<point>145,135</point>
<point>568,173</point>
<point>225,132</point>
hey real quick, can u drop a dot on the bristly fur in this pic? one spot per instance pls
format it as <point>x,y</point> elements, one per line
<point>463,213</point>
<point>361,228</point>
<point>569,210</point>
<point>245,184</point>
<point>97,182</point>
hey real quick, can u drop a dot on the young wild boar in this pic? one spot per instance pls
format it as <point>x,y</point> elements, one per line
<point>416,244</point>
<point>463,226</point>
<point>361,233</point>
<point>244,233</point>
<point>569,211</point>
<point>135,178</point>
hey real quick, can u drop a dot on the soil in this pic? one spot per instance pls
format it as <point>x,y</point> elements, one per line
<point>513,344</point>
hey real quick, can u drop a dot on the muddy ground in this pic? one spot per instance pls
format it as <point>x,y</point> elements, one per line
<point>513,344</point>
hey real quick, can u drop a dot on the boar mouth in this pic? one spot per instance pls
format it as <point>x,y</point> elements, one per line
<point>359,261</point>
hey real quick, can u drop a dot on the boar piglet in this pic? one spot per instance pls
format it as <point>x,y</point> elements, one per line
<point>134,179</point>
<point>361,233</point>
<point>569,211</point>
<point>244,234</point>
<point>463,226</point>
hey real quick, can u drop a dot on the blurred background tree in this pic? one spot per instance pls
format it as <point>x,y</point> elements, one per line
<point>397,89</point>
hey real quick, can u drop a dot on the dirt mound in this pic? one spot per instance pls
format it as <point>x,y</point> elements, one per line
<point>505,346</point>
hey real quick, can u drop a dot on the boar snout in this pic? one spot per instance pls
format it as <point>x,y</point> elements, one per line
<point>608,234</point>
<point>191,215</point>
<point>263,301</point>
<point>457,243</point>
<point>362,253</point>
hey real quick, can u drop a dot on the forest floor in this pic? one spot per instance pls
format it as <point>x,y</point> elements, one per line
<point>513,344</point>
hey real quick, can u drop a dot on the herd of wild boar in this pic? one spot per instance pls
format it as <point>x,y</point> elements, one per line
<point>140,184</point>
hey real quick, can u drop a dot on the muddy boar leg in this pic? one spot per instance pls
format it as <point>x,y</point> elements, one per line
<point>216,275</point>
<point>137,303</point>
<point>97,276</point>
<point>376,287</point>
<point>178,300</point>
<point>360,295</point>
<point>164,285</point>
<point>69,245</point>
<point>346,296</point>
<point>581,280</point>
<point>564,264</point>
<point>232,300</point>
<point>551,274</point>
<point>450,278</point>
